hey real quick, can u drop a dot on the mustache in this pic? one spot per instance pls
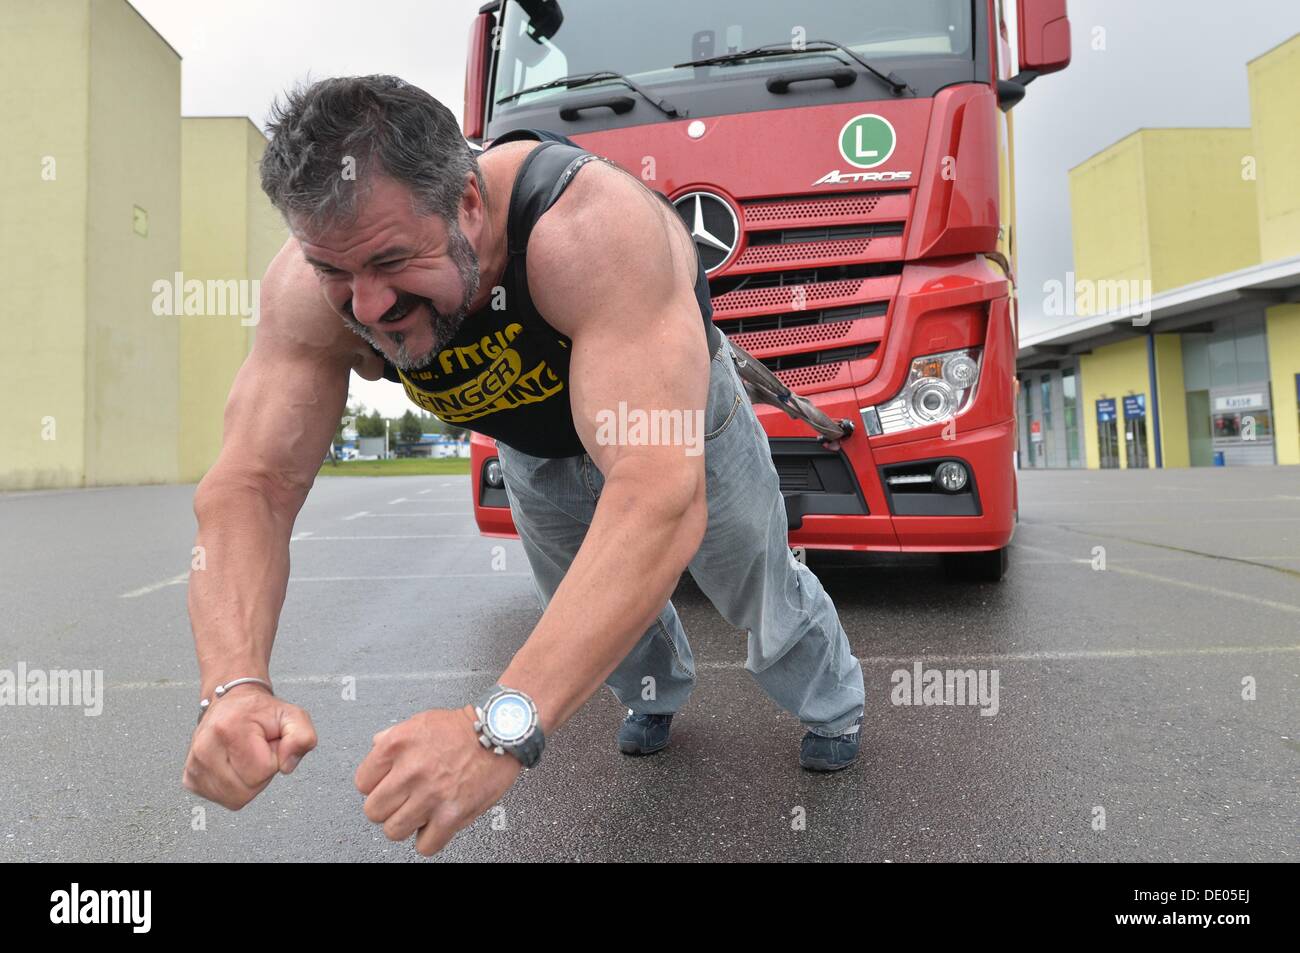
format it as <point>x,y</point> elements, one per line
<point>404,304</point>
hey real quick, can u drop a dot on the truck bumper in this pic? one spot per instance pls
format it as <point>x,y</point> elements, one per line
<point>982,517</point>
<point>842,500</point>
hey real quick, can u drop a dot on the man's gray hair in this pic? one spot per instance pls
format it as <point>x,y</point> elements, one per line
<point>331,137</point>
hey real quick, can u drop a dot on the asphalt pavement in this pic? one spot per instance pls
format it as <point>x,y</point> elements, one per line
<point>1145,711</point>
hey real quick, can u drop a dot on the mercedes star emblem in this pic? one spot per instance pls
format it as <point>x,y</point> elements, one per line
<point>713,225</point>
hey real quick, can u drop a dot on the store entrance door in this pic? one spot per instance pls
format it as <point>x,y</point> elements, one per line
<point>1200,447</point>
<point>1135,431</point>
<point>1107,435</point>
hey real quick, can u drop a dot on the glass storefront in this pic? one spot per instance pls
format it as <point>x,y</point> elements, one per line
<point>1226,377</point>
<point>1237,414</point>
<point>1050,425</point>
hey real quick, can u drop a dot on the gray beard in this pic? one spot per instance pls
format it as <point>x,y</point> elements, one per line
<point>442,326</point>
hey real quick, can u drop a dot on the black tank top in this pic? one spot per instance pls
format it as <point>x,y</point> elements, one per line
<point>506,372</point>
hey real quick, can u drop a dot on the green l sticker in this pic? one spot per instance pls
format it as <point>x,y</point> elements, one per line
<point>867,141</point>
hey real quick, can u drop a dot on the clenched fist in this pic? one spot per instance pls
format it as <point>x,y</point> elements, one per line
<point>244,740</point>
<point>429,776</point>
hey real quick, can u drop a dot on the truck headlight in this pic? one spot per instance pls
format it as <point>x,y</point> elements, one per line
<point>938,386</point>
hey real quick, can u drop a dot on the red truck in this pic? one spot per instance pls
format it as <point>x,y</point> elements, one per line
<point>845,168</point>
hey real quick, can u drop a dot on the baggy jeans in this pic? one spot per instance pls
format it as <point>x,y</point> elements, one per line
<point>797,648</point>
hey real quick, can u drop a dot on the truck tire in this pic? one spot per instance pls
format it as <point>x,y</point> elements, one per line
<point>988,566</point>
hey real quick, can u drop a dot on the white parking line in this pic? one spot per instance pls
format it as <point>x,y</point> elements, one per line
<point>1097,655</point>
<point>1081,655</point>
<point>1189,500</point>
<point>1201,587</point>
<point>1181,522</point>
<point>443,676</point>
<point>1111,566</point>
<point>409,536</point>
<point>1113,560</point>
<point>357,515</point>
<point>184,577</point>
<point>437,575</point>
<point>410,516</point>
<point>145,590</point>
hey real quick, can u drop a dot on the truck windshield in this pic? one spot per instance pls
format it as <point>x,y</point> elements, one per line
<point>642,40</point>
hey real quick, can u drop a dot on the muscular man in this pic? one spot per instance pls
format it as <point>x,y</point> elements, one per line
<point>527,294</point>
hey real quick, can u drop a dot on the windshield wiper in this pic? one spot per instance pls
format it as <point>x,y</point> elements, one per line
<point>892,80</point>
<point>586,79</point>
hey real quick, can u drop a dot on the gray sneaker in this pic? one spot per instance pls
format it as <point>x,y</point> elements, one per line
<point>819,753</point>
<point>644,734</point>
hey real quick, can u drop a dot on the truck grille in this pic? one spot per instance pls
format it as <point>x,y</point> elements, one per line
<point>793,330</point>
<point>792,362</point>
<point>809,294</point>
<point>797,475</point>
<point>850,207</point>
<point>757,257</point>
<point>831,233</point>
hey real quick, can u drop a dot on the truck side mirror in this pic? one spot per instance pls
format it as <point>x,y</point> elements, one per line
<point>1044,34</point>
<point>476,68</point>
<point>1043,27</point>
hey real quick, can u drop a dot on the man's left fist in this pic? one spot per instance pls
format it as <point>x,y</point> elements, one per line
<point>430,774</point>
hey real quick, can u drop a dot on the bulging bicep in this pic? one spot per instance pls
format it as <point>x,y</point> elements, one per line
<point>290,393</point>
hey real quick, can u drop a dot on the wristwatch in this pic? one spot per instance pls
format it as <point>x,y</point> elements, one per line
<point>506,720</point>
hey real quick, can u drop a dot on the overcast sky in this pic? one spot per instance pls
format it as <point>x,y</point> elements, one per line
<point>1164,63</point>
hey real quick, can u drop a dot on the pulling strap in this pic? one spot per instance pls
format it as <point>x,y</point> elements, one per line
<point>764,387</point>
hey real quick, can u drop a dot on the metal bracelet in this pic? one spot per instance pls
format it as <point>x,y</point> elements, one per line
<point>221,690</point>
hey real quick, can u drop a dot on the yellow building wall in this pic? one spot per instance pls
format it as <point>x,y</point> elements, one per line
<point>1113,370</point>
<point>99,388</point>
<point>1282,328</point>
<point>1172,394</point>
<point>1178,206</point>
<point>1274,83</point>
<point>134,163</point>
<point>227,228</point>
<point>1202,212</point>
<point>1108,219</point>
<point>44,70</point>
<point>1169,206</point>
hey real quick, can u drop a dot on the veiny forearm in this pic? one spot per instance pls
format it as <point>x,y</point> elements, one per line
<point>639,543</point>
<point>235,600</point>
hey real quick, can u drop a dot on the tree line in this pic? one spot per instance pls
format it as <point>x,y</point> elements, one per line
<point>405,429</point>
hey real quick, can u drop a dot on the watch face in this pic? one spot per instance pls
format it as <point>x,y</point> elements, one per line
<point>509,717</point>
